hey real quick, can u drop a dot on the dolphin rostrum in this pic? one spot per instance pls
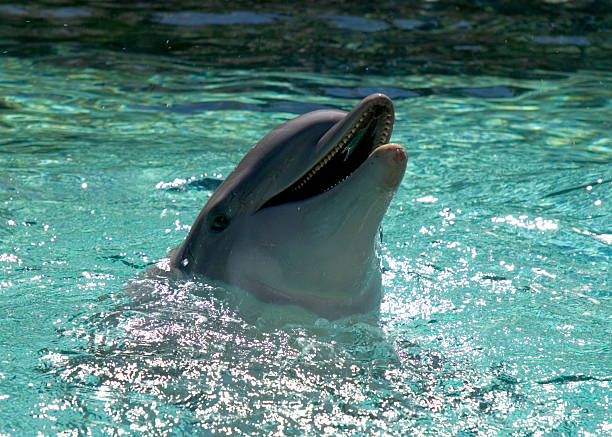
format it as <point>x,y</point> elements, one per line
<point>298,219</point>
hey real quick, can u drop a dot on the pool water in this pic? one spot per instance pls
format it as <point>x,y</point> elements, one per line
<point>497,314</point>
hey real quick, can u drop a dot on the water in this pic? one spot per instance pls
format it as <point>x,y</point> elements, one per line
<point>497,312</point>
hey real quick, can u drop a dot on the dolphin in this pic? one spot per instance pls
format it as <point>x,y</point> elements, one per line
<point>298,219</point>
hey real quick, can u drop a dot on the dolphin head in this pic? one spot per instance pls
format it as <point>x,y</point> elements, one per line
<point>298,219</point>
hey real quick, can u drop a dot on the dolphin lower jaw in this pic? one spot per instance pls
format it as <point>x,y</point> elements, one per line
<point>320,252</point>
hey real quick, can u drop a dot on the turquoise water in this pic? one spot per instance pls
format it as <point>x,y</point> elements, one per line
<point>496,250</point>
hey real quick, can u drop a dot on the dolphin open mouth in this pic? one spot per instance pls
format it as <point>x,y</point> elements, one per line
<point>349,143</point>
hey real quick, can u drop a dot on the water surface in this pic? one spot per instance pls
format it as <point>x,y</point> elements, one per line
<point>496,250</point>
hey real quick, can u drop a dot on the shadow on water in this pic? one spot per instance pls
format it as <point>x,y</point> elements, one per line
<point>519,38</point>
<point>298,107</point>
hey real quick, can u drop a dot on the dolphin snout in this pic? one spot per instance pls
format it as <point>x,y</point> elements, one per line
<point>394,153</point>
<point>392,157</point>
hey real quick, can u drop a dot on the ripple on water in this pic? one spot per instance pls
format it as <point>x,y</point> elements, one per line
<point>496,259</point>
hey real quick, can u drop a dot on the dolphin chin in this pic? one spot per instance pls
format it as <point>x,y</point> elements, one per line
<point>297,221</point>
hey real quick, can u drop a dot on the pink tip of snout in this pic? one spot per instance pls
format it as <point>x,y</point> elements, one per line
<point>393,157</point>
<point>393,153</point>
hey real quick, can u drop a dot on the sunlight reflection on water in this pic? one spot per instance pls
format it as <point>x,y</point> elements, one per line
<point>495,253</point>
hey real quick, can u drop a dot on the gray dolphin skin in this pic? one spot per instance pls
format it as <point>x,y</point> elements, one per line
<point>297,221</point>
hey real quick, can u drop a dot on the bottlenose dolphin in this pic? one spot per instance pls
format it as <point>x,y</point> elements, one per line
<point>298,219</point>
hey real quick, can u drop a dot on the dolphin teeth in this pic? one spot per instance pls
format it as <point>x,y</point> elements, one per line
<point>381,139</point>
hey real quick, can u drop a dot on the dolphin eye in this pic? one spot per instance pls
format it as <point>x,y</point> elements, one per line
<point>219,223</point>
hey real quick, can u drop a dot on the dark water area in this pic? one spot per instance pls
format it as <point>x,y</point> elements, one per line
<point>522,39</point>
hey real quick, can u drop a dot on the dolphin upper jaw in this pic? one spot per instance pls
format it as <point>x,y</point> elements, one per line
<point>297,220</point>
<point>342,149</point>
